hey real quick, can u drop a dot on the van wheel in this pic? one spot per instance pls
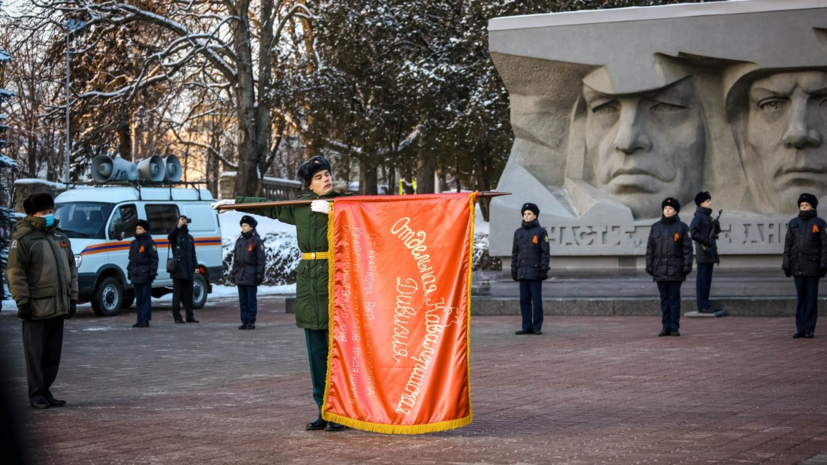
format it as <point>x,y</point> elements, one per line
<point>128,299</point>
<point>199,291</point>
<point>108,297</point>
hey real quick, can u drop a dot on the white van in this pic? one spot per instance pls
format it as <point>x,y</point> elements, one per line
<point>101,222</point>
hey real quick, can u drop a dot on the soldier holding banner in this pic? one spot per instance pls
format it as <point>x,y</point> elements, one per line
<point>312,297</point>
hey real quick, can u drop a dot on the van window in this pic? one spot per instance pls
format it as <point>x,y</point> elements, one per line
<point>123,223</point>
<point>83,219</point>
<point>202,217</point>
<point>162,218</point>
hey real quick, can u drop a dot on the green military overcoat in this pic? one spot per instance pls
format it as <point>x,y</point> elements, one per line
<point>41,269</point>
<point>311,232</point>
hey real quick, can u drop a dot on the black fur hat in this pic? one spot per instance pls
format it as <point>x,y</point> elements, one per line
<point>702,197</point>
<point>809,198</point>
<point>144,224</point>
<point>311,167</point>
<point>249,220</point>
<point>671,202</point>
<point>38,202</point>
<point>531,207</point>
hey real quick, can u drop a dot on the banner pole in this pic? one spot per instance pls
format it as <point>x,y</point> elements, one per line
<point>285,203</point>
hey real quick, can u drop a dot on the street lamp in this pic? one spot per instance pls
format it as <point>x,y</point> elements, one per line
<point>70,26</point>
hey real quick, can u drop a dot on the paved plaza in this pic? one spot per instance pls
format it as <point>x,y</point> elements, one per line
<point>589,390</point>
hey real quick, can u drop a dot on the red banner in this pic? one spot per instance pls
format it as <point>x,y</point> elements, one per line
<point>400,281</point>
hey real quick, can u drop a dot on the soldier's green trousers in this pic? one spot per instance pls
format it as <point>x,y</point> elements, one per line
<point>317,348</point>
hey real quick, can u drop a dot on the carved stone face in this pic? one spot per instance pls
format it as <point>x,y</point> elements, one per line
<point>786,154</point>
<point>643,147</point>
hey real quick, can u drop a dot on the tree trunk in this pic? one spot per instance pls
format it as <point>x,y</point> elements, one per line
<point>425,174</point>
<point>367,176</point>
<point>247,180</point>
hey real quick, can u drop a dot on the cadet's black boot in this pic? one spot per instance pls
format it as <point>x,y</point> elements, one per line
<point>243,326</point>
<point>316,424</point>
<point>524,331</point>
<point>56,402</point>
<point>137,325</point>
<point>192,320</point>
<point>665,332</point>
<point>251,326</point>
<point>810,335</point>
<point>334,427</point>
<point>676,333</point>
<point>40,403</point>
<point>798,334</point>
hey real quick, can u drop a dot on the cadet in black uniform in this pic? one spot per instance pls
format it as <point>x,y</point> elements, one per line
<point>704,230</point>
<point>182,246</point>
<point>142,270</point>
<point>668,261</point>
<point>529,266</point>
<point>248,270</point>
<point>805,259</point>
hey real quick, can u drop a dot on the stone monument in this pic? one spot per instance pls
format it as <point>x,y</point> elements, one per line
<point>614,110</point>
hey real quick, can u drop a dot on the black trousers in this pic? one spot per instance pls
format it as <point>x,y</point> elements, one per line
<point>248,303</point>
<point>143,302</point>
<point>181,292</point>
<point>703,283</point>
<point>806,311</point>
<point>42,346</point>
<point>317,348</point>
<point>531,304</point>
<point>670,304</point>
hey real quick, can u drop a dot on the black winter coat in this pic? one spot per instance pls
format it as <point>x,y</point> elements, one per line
<point>529,254</point>
<point>183,249</point>
<point>248,265</point>
<point>704,230</point>
<point>143,260</point>
<point>669,250</point>
<point>805,246</point>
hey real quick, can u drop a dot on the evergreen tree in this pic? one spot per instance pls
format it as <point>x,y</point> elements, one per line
<point>6,163</point>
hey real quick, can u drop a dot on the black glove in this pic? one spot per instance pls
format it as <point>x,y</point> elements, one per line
<point>822,272</point>
<point>24,312</point>
<point>514,275</point>
<point>716,227</point>
<point>686,270</point>
<point>788,272</point>
<point>259,281</point>
<point>650,271</point>
<point>73,308</point>
<point>544,275</point>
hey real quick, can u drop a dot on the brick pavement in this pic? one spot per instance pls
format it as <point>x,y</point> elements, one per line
<point>590,390</point>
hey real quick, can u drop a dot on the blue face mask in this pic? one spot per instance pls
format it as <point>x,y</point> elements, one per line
<point>50,220</point>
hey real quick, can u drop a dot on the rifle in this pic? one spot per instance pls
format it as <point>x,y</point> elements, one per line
<point>712,231</point>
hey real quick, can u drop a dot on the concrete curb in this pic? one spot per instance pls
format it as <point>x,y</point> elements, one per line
<point>482,306</point>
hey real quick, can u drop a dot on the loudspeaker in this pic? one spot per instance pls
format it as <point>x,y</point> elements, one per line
<point>152,169</point>
<point>173,171</point>
<point>113,169</point>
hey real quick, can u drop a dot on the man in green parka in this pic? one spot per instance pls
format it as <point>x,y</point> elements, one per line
<point>311,283</point>
<point>43,280</point>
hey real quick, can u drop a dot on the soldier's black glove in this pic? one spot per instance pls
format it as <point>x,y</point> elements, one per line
<point>73,308</point>
<point>650,271</point>
<point>544,276</point>
<point>822,272</point>
<point>514,275</point>
<point>686,270</point>
<point>24,312</point>
<point>259,281</point>
<point>788,272</point>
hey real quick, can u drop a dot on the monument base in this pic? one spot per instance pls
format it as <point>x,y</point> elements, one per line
<point>697,314</point>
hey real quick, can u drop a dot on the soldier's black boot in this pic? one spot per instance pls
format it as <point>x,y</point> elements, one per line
<point>665,332</point>
<point>251,326</point>
<point>316,424</point>
<point>334,427</point>
<point>243,326</point>
<point>798,334</point>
